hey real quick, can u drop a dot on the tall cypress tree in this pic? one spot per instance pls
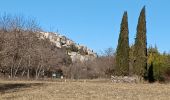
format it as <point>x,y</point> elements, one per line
<point>140,52</point>
<point>122,52</point>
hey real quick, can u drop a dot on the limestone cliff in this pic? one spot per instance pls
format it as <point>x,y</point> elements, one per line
<point>75,51</point>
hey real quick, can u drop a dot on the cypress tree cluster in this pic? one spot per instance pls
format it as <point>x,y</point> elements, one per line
<point>122,52</point>
<point>140,50</point>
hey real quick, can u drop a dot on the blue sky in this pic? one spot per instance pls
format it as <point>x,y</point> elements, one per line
<point>96,23</point>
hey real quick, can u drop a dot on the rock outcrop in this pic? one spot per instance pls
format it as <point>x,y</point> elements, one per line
<point>125,79</point>
<point>75,51</point>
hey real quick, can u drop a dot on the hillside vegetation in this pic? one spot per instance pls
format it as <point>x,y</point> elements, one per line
<point>26,51</point>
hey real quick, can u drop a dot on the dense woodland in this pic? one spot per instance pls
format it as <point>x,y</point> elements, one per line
<point>23,54</point>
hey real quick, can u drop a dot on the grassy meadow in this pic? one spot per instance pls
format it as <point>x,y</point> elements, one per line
<point>82,90</point>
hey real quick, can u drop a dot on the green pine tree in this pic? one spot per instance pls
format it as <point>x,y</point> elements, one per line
<point>140,52</point>
<point>122,52</point>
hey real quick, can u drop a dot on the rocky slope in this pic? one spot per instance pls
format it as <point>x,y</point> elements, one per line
<point>75,51</point>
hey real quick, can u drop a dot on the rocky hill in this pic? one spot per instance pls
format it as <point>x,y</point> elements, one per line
<point>75,51</point>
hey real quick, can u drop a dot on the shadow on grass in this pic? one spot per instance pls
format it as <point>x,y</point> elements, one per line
<point>6,88</point>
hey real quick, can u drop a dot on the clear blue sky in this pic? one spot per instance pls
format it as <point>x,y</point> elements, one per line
<point>96,23</point>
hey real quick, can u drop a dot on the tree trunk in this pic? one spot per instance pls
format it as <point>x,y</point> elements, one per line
<point>17,67</point>
<point>28,74</point>
<point>12,67</point>
<point>36,72</point>
<point>11,72</point>
<point>39,71</point>
<point>23,73</point>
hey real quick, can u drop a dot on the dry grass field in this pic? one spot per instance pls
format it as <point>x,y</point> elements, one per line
<point>82,90</point>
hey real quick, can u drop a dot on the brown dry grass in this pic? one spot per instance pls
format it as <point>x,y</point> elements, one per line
<point>87,90</point>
